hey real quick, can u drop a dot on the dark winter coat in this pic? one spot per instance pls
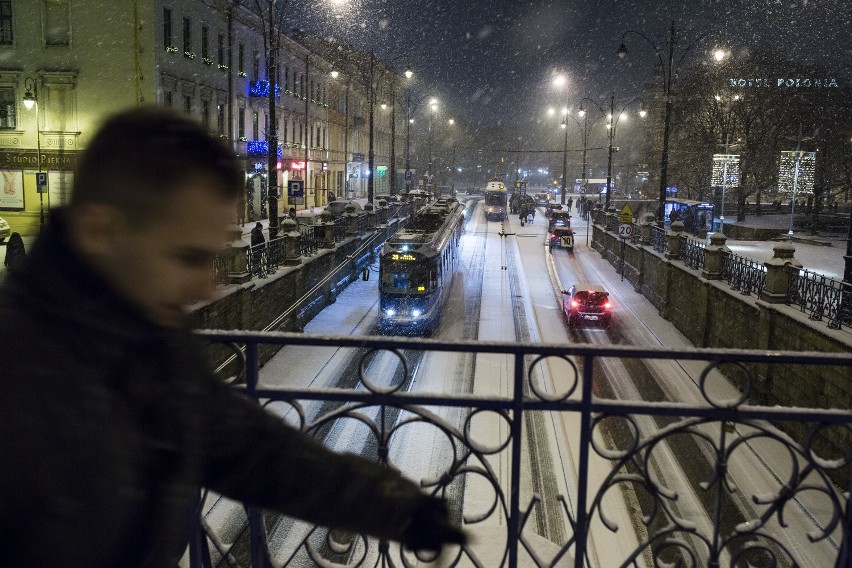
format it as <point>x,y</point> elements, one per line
<point>108,425</point>
<point>14,253</point>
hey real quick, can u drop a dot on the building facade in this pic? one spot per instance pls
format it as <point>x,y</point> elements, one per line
<point>81,61</point>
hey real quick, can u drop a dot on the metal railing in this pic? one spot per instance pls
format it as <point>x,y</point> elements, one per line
<point>658,239</point>
<point>692,252</point>
<point>621,452</point>
<point>309,241</point>
<point>743,274</point>
<point>820,296</point>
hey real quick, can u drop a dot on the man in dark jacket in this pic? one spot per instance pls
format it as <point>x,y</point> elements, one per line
<point>110,419</point>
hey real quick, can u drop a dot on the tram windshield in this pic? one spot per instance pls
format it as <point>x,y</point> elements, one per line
<point>495,198</point>
<point>404,277</point>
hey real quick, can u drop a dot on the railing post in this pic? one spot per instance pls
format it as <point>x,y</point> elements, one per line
<point>612,219</point>
<point>371,216</point>
<point>382,212</point>
<point>351,220</point>
<point>236,253</point>
<point>290,235</point>
<point>327,226</point>
<point>778,273</point>
<point>713,254</point>
<point>645,228</point>
<point>673,240</point>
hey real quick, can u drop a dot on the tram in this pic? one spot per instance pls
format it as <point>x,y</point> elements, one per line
<point>496,205</point>
<point>416,269</point>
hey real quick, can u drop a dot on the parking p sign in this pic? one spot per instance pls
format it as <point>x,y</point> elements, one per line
<point>41,182</point>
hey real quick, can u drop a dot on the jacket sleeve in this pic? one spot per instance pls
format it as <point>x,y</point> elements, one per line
<point>254,457</point>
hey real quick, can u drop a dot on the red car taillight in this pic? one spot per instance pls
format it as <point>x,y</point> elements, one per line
<point>607,305</point>
<point>575,304</point>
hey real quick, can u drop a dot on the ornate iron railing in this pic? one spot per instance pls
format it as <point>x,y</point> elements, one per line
<point>692,252</point>
<point>220,269</point>
<point>658,239</point>
<point>763,496</point>
<point>819,296</point>
<point>743,274</point>
<point>309,241</point>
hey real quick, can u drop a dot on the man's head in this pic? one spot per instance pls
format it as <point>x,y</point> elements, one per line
<point>153,194</point>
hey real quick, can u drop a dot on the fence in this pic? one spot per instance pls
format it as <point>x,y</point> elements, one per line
<point>820,297</point>
<point>787,491</point>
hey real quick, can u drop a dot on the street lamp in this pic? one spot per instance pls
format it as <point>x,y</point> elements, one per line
<point>669,72</point>
<point>612,123</point>
<point>30,101</point>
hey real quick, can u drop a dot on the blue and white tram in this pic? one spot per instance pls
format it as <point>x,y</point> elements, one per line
<point>416,268</point>
<point>495,201</point>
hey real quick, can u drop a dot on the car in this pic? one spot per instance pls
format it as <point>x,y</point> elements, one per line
<point>338,208</point>
<point>5,230</point>
<point>586,303</point>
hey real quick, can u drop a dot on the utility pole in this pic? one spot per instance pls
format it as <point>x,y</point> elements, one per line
<point>272,133</point>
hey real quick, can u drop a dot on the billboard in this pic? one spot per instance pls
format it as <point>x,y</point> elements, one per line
<point>726,170</point>
<point>796,173</point>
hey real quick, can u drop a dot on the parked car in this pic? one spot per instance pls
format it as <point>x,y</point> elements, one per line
<point>338,208</point>
<point>5,230</point>
<point>586,303</point>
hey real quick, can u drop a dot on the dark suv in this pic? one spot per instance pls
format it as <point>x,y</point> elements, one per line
<point>586,303</point>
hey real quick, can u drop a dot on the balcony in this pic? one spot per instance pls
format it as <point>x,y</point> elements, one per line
<point>548,459</point>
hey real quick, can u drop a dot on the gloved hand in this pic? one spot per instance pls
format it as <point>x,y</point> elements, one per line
<point>430,527</point>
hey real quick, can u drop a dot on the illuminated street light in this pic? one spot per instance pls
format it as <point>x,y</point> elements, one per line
<point>666,59</point>
<point>611,127</point>
<point>30,101</point>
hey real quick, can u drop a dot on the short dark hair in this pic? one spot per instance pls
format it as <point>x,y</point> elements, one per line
<point>141,155</point>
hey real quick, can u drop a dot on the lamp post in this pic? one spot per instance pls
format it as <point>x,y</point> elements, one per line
<point>30,101</point>
<point>408,74</point>
<point>669,71</point>
<point>726,125</point>
<point>433,110</point>
<point>611,126</point>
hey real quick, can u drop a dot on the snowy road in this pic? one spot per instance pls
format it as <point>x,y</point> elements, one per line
<point>507,289</point>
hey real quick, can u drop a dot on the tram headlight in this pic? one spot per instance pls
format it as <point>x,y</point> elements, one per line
<point>390,312</point>
<point>416,313</point>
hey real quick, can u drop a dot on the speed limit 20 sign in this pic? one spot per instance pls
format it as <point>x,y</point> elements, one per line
<point>625,230</point>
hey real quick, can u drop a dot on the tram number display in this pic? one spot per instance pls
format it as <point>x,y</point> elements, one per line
<point>625,230</point>
<point>403,257</point>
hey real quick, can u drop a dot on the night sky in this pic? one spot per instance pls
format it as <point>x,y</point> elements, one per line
<point>493,59</point>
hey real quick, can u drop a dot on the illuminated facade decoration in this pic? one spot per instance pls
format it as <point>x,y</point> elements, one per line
<point>791,163</point>
<point>730,176</point>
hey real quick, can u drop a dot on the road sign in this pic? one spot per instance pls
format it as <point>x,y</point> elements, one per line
<point>296,188</point>
<point>626,215</point>
<point>41,182</point>
<point>625,230</point>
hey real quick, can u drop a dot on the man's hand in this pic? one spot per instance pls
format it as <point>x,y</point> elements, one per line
<point>430,527</point>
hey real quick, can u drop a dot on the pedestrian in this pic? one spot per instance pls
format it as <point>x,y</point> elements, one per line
<point>292,214</point>
<point>110,418</point>
<point>15,252</point>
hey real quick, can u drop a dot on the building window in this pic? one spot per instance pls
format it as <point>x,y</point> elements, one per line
<point>256,65</point>
<point>241,59</point>
<point>205,114</point>
<point>57,30</point>
<point>8,104</point>
<point>286,124</point>
<point>220,119</point>
<point>241,123</point>
<point>302,85</point>
<point>167,28</point>
<point>187,104</point>
<point>205,40</point>
<point>6,36</point>
<point>286,77</point>
<point>167,99</point>
<point>220,50</point>
<point>187,36</point>
<point>255,125</point>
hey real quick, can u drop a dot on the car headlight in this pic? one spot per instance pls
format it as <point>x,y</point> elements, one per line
<point>391,312</point>
<point>416,313</point>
